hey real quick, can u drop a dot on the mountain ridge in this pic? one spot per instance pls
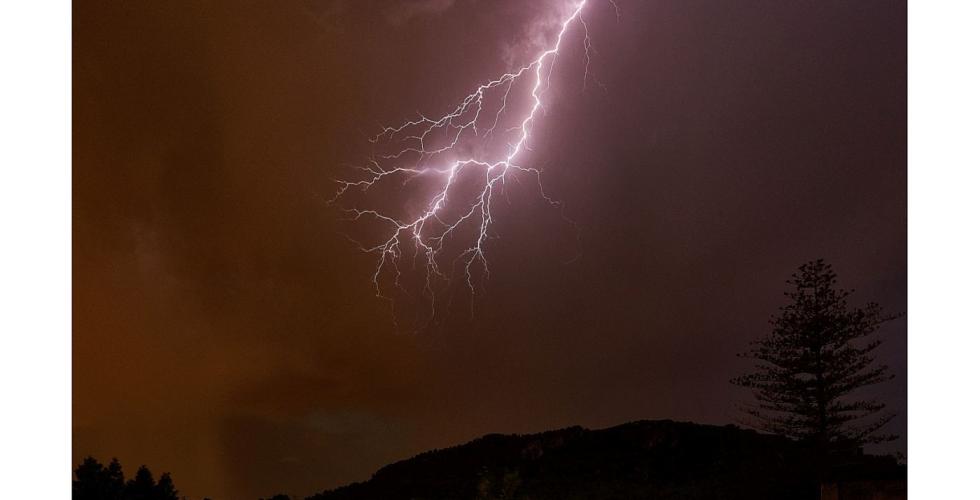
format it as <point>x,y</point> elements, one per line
<point>640,459</point>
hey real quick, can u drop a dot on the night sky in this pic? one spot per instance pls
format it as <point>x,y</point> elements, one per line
<point>227,331</point>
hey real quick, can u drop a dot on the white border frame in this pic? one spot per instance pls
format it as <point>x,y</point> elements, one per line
<point>35,249</point>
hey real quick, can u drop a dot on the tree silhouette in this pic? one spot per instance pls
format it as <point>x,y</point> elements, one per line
<point>95,482</point>
<point>817,354</point>
<point>114,480</point>
<point>164,489</point>
<point>142,486</point>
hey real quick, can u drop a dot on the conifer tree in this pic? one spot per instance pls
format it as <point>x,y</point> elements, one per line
<point>164,489</point>
<point>818,353</point>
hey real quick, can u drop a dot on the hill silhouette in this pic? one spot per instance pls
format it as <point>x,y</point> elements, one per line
<point>645,459</point>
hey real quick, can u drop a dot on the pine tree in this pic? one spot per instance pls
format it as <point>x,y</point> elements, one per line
<point>114,480</point>
<point>818,353</point>
<point>141,486</point>
<point>87,484</point>
<point>95,482</point>
<point>164,489</point>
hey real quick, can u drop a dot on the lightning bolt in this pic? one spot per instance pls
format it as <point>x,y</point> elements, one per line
<point>463,144</point>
